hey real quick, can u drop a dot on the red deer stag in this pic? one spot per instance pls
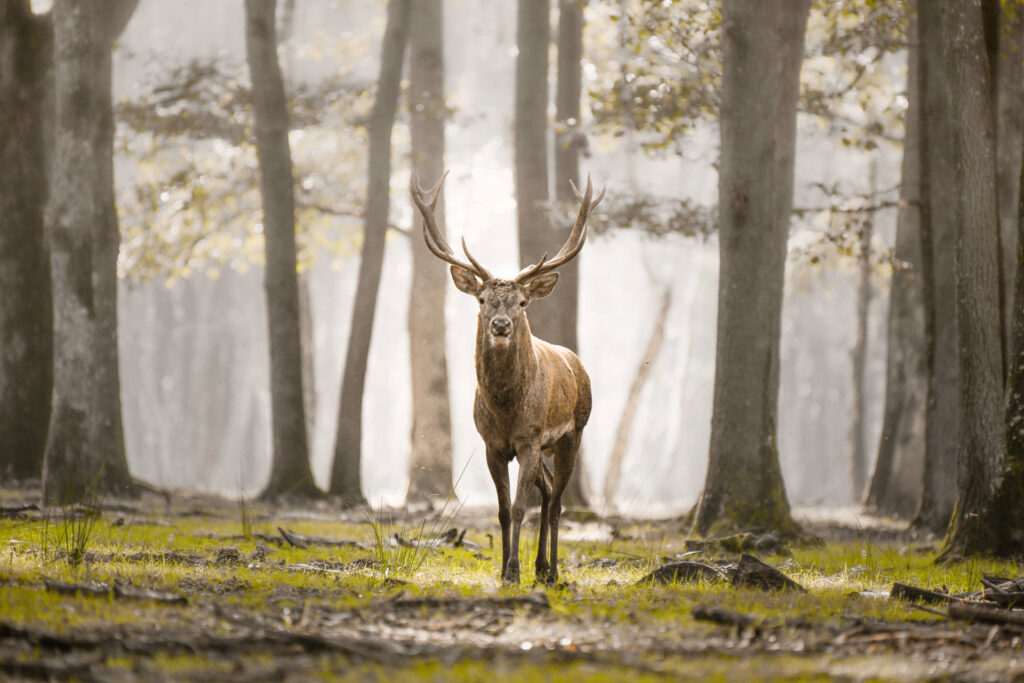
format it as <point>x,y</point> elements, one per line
<point>532,398</point>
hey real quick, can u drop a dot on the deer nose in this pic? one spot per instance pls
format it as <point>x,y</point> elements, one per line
<point>501,326</point>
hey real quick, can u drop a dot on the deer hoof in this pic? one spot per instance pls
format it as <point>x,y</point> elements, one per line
<point>511,577</point>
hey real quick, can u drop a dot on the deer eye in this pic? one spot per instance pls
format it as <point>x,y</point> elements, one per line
<point>522,304</point>
<point>481,300</point>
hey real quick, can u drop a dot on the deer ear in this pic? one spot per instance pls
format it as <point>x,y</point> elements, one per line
<point>465,281</point>
<point>542,286</point>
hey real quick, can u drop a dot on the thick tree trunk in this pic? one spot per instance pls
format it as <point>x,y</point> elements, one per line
<point>346,481</point>
<point>289,472</point>
<point>938,236</point>
<point>85,445</point>
<point>762,52</point>
<point>430,466</point>
<point>896,481</point>
<point>982,443</point>
<point>26,317</point>
<point>1004,524</point>
<point>859,354</point>
<point>1010,138</point>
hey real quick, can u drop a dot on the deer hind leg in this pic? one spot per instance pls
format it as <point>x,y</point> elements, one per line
<point>544,478</point>
<point>565,459</point>
<point>498,465</point>
<point>529,464</point>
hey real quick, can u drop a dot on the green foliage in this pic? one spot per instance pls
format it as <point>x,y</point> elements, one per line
<point>669,66</point>
<point>658,217</point>
<point>193,203</point>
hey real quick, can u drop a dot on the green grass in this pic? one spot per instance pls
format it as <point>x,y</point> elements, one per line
<point>600,590</point>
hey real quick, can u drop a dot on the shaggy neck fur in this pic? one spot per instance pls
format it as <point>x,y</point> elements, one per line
<point>502,371</point>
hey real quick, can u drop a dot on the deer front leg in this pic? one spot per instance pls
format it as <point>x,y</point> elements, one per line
<point>544,484</point>
<point>498,466</point>
<point>529,464</point>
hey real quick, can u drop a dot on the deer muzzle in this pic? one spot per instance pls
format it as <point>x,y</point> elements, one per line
<point>501,326</point>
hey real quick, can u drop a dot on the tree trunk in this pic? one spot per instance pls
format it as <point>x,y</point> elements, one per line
<point>561,315</point>
<point>1010,138</point>
<point>625,428</point>
<point>26,318</point>
<point>430,466</point>
<point>982,443</point>
<point>895,487</point>
<point>938,235</point>
<point>859,353</point>
<point>85,446</point>
<point>346,481</point>
<point>289,472</point>
<point>762,51</point>
<point>1003,524</point>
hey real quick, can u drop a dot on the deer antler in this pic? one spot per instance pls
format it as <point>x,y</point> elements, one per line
<point>573,244</point>
<point>436,242</point>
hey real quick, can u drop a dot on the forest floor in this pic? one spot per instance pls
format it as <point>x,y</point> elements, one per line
<point>197,588</point>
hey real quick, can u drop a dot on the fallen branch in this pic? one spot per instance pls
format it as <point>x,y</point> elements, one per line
<point>986,615</point>
<point>303,541</point>
<point>902,591</point>
<point>723,616</point>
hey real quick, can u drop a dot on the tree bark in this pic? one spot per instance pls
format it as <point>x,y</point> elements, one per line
<point>1010,139</point>
<point>26,309</point>
<point>346,481</point>
<point>982,444</point>
<point>430,466</point>
<point>85,447</point>
<point>561,315</point>
<point>762,51</point>
<point>895,487</point>
<point>859,353</point>
<point>1003,524</point>
<point>938,235</point>
<point>290,473</point>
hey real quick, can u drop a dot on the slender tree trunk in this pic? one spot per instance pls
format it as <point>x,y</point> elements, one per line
<point>561,314</point>
<point>938,235</point>
<point>536,234</point>
<point>26,309</point>
<point>346,481</point>
<point>859,353</point>
<point>762,51</point>
<point>289,472</point>
<point>895,487</point>
<point>1010,138</point>
<point>625,428</point>
<point>430,467</point>
<point>982,443</point>
<point>85,446</point>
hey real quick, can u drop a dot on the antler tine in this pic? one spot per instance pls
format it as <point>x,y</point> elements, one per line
<point>476,264</point>
<point>436,242</point>
<point>528,271</point>
<point>576,238</point>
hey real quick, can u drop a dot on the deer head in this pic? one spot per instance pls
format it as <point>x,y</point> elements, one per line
<point>502,302</point>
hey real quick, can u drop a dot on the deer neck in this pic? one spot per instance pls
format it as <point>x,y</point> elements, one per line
<point>502,372</point>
